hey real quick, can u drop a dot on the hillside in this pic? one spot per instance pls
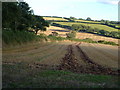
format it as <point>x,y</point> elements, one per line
<point>104,27</point>
<point>80,35</point>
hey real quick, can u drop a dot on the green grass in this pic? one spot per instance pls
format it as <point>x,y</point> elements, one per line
<point>104,27</point>
<point>21,76</point>
<point>17,37</point>
<point>56,38</point>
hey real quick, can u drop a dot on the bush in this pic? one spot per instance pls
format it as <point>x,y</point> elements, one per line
<point>72,34</point>
<point>54,33</point>
<point>100,41</point>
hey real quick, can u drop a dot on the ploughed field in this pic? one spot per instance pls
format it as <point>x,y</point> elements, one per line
<point>78,57</point>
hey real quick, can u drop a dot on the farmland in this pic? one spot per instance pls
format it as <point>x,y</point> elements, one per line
<point>60,60</point>
<point>80,35</point>
<point>104,27</point>
<point>53,18</point>
<point>57,52</point>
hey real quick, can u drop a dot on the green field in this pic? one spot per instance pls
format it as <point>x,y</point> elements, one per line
<point>104,27</point>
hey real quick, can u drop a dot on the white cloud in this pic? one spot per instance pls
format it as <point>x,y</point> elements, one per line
<point>113,2</point>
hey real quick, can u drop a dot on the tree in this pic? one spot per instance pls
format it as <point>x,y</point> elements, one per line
<point>107,22</point>
<point>10,14</point>
<point>102,32</point>
<point>39,24</point>
<point>16,15</point>
<point>73,18</point>
<point>89,19</point>
<point>19,16</point>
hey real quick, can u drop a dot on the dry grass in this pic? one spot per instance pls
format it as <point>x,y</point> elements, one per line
<point>95,37</point>
<point>51,18</point>
<point>61,31</point>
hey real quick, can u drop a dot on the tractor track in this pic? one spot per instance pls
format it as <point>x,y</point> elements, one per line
<point>70,62</point>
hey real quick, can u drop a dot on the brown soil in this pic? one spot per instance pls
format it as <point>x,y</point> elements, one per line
<point>70,62</point>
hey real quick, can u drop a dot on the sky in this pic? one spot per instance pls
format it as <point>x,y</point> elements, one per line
<point>95,9</point>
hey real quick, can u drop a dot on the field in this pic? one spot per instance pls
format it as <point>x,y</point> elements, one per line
<point>62,32</point>
<point>52,18</point>
<point>60,64</point>
<point>104,27</point>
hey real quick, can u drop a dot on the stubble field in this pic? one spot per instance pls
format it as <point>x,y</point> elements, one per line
<point>41,60</point>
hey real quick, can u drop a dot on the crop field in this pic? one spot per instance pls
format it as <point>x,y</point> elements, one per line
<point>62,32</point>
<point>104,27</point>
<point>52,18</point>
<point>95,37</point>
<point>48,63</point>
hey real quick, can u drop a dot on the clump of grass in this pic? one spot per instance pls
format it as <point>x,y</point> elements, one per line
<point>56,38</point>
<point>42,36</point>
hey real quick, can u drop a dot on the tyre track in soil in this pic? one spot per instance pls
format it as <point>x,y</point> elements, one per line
<point>70,62</point>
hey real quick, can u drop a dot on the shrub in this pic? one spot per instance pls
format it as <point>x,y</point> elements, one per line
<point>100,41</point>
<point>54,33</point>
<point>72,34</point>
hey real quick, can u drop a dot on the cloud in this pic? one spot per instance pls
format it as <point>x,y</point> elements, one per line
<point>113,2</point>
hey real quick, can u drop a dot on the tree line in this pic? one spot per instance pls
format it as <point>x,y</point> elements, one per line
<point>89,29</point>
<point>19,16</point>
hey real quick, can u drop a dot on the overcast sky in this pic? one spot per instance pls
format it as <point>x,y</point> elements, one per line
<point>96,9</point>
